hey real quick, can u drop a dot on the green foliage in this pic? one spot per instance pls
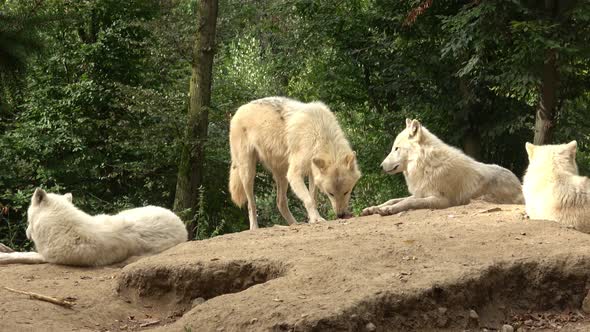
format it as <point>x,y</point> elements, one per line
<point>100,111</point>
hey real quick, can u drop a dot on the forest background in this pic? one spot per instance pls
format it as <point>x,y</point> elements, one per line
<point>94,93</point>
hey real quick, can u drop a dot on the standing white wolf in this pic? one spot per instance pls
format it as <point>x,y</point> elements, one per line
<point>552,188</point>
<point>439,176</point>
<point>293,140</point>
<point>63,234</point>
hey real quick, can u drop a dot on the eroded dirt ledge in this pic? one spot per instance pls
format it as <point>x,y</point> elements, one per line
<point>423,270</point>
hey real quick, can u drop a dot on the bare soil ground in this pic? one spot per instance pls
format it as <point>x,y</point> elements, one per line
<point>473,267</point>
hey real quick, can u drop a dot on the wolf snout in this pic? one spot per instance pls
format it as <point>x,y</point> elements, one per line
<point>389,168</point>
<point>345,215</point>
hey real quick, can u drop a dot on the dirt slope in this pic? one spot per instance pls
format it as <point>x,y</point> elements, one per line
<point>423,270</point>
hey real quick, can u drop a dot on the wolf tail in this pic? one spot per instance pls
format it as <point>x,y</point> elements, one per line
<point>21,258</point>
<point>236,188</point>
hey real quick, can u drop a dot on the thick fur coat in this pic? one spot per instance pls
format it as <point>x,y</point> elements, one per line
<point>63,234</point>
<point>439,176</point>
<point>293,140</point>
<point>552,188</point>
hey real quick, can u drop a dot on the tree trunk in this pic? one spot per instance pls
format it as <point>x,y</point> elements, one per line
<point>547,108</point>
<point>471,138</point>
<point>472,144</point>
<point>190,169</point>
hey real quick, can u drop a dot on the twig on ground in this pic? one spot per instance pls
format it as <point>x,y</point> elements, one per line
<point>40,297</point>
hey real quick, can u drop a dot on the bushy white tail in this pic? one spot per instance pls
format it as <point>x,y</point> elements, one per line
<point>236,188</point>
<point>4,248</point>
<point>21,258</point>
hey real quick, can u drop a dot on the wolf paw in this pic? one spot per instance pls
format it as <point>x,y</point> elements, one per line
<point>388,210</point>
<point>370,210</point>
<point>316,220</point>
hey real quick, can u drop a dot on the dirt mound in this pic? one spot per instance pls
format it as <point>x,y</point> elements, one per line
<point>478,266</point>
<point>175,287</point>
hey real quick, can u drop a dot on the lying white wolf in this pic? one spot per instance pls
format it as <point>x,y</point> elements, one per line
<point>293,140</point>
<point>552,188</point>
<point>63,234</point>
<point>439,176</point>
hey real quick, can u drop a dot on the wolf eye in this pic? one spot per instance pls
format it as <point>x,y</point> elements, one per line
<point>331,194</point>
<point>396,148</point>
<point>346,193</point>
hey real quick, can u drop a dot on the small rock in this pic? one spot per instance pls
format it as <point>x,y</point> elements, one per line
<point>507,328</point>
<point>528,322</point>
<point>197,301</point>
<point>442,321</point>
<point>586,303</point>
<point>370,327</point>
<point>253,320</point>
<point>473,319</point>
<point>354,316</point>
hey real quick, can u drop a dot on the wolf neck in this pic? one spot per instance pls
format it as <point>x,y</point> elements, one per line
<point>554,172</point>
<point>432,156</point>
<point>72,217</point>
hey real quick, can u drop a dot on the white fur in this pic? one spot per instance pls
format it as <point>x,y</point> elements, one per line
<point>293,140</point>
<point>552,188</point>
<point>440,176</point>
<point>63,234</point>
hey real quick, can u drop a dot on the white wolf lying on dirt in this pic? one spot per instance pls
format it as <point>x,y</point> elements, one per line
<point>439,176</point>
<point>552,188</point>
<point>63,234</point>
<point>293,140</point>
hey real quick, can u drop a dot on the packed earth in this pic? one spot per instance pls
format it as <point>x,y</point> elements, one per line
<point>476,267</point>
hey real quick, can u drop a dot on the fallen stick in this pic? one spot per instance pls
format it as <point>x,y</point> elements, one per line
<point>150,323</point>
<point>40,297</point>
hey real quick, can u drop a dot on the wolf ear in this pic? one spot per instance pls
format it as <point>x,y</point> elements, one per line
<point>39,196</point>
<point>408,122</point>
<point>320,163</point>
<point>415,128</point>
<point>530,148</point>
<point>571,148</point>
<point>573,145</point>
<point>350,160</point>
<point>69,197</point>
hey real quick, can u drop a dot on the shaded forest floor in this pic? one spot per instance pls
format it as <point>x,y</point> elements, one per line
<point>472,267</point>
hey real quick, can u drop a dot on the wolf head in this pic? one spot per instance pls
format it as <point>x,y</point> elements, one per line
<point>397,160</point>
<point>336,180</point>
<point>561,157</point>
<point>44,202</point>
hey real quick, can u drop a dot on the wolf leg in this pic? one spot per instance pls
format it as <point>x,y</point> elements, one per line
<point>247,174</point>
<point>375,209</point>
<point>21,258</point>
<point>298,185</point>
<point>282,203</point>
<point>312,188</point>
<point>413,203</point>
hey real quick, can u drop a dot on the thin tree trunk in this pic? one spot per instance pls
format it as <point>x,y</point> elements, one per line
<point>547,108</point>
<point>471,138</point>
<point>472,144</point>
<point>190,169</point>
